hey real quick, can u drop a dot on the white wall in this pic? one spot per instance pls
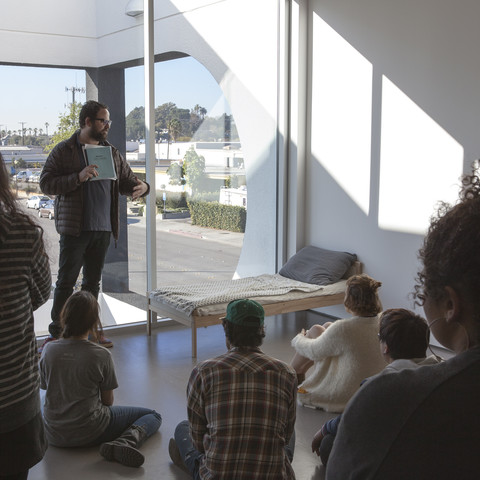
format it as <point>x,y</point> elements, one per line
<point>395,115</point>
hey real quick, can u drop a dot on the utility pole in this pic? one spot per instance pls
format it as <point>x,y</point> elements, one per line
<point>73,90</point>
<point>23,137</point>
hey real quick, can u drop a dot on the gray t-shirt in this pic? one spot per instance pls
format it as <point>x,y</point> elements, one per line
<point>97,202</point>
<point>74,372</point>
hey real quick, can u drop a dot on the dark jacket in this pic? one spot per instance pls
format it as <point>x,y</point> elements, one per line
<point>60,177</point>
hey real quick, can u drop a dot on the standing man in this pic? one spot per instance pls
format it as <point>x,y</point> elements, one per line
<point>241,408</point>
<point>86,212</point>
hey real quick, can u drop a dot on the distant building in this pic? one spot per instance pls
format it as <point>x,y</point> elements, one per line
<point>234,196</point>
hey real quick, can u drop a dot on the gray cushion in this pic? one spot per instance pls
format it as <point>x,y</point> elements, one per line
<point>317,265</point>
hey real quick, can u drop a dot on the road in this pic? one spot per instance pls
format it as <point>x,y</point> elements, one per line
<point>185,253</point>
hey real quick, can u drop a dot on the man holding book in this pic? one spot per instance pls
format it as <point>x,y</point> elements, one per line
<point>87,174</point>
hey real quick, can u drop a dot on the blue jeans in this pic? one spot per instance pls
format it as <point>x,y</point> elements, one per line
<point>123,418</point>
<point>88,251</point>
<point>192,457</point>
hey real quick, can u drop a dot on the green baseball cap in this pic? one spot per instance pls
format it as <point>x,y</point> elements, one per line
<point>244,311</point>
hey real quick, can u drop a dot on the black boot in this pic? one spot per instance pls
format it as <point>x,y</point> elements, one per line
<point>124,448</point>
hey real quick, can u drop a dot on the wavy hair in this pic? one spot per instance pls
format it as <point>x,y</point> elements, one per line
<point>361,297</point>
<point>450,254</point>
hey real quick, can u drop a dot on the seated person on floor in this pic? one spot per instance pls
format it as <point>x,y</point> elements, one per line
<point>342,353</point>
<point>424,423</point>
<point>79,377</point>
<point>404,338</point>
<point>241,408</point>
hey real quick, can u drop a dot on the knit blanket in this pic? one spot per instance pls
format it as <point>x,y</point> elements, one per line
<point>187,298</point>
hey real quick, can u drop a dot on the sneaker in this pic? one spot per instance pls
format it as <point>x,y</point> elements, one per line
<point>103,341</point>
<point>174,453</point>
<point>47,340</point>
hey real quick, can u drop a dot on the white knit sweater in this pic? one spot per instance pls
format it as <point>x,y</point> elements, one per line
<point>344,355</point>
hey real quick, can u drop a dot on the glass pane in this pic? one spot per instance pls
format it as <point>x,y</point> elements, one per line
<point>199,158</point>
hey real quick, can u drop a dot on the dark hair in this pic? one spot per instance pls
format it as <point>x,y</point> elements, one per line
<point>450,253</point>
<point>8,202</point>
<point>361,297</point>
<point>241,336</point>
<point>80,314</point>
<point>405,333</point>
<point>90,110</point>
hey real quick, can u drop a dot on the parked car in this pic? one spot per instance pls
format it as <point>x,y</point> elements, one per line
<point>34,177</point>
<point>23,176</point>
<point>47,210</point>
<point>36,201</point>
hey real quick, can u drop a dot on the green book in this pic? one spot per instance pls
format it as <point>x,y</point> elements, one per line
<point>101,156</point>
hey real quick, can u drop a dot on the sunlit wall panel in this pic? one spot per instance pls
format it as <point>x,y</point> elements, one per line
<point>420,163</point>
<point>341,112</point>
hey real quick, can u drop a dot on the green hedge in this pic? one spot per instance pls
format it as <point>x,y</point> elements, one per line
<point>216,215</point>
<point>174,201</point>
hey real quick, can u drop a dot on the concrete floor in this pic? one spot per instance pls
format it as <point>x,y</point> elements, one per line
<point>153,372</point>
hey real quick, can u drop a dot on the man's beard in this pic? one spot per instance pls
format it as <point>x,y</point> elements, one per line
<point>98,135</point>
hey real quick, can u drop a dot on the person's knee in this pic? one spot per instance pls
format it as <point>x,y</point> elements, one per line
<point>315,331</point>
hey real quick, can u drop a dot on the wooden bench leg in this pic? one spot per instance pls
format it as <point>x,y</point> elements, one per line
<point>150,314</point>
<point>194,339</point>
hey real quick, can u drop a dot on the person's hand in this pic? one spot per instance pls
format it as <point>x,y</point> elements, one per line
<point>317,440</point>
<point>139,189</point>
<point>87,173</point>
<point>304,332</point>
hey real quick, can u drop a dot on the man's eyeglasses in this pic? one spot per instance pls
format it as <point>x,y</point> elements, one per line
<point>105,122</point>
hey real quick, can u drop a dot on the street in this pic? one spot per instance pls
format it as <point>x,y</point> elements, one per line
<point>185,253</point>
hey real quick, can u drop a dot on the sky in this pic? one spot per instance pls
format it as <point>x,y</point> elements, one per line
<point>37,96</point>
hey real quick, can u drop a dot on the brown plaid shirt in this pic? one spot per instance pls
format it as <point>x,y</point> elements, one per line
<point>241,408</point>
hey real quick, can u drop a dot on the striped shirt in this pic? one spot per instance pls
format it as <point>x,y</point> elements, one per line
<point>241,409</point>
<point>25,284</point>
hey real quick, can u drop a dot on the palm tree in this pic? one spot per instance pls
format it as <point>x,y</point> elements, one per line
<point>46,127</point>
<point>35,131</point>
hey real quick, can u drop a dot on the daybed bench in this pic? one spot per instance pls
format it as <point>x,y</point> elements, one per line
<point>204,304</point>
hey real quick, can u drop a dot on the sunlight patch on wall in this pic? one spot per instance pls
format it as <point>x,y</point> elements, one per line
<point>420,164</point>
<point>342,112</point>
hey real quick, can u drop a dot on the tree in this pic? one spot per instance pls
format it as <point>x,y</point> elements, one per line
<point>135,124</point>
<point>68,124</point>
<point>176,173</point>
<point>194,166</point>
<point>174,128</point>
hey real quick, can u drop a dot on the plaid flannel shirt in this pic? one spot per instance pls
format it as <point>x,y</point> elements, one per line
<point>241,409</point>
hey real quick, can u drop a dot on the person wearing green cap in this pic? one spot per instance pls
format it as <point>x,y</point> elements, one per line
<point>241,407</point>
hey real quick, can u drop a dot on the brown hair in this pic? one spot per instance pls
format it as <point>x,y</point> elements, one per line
<point>90,110</point>
<point>361,297</point>
<point>80,314</point>
<point>242,336</point>
<point>405,333</point>
<point>8,202</point>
